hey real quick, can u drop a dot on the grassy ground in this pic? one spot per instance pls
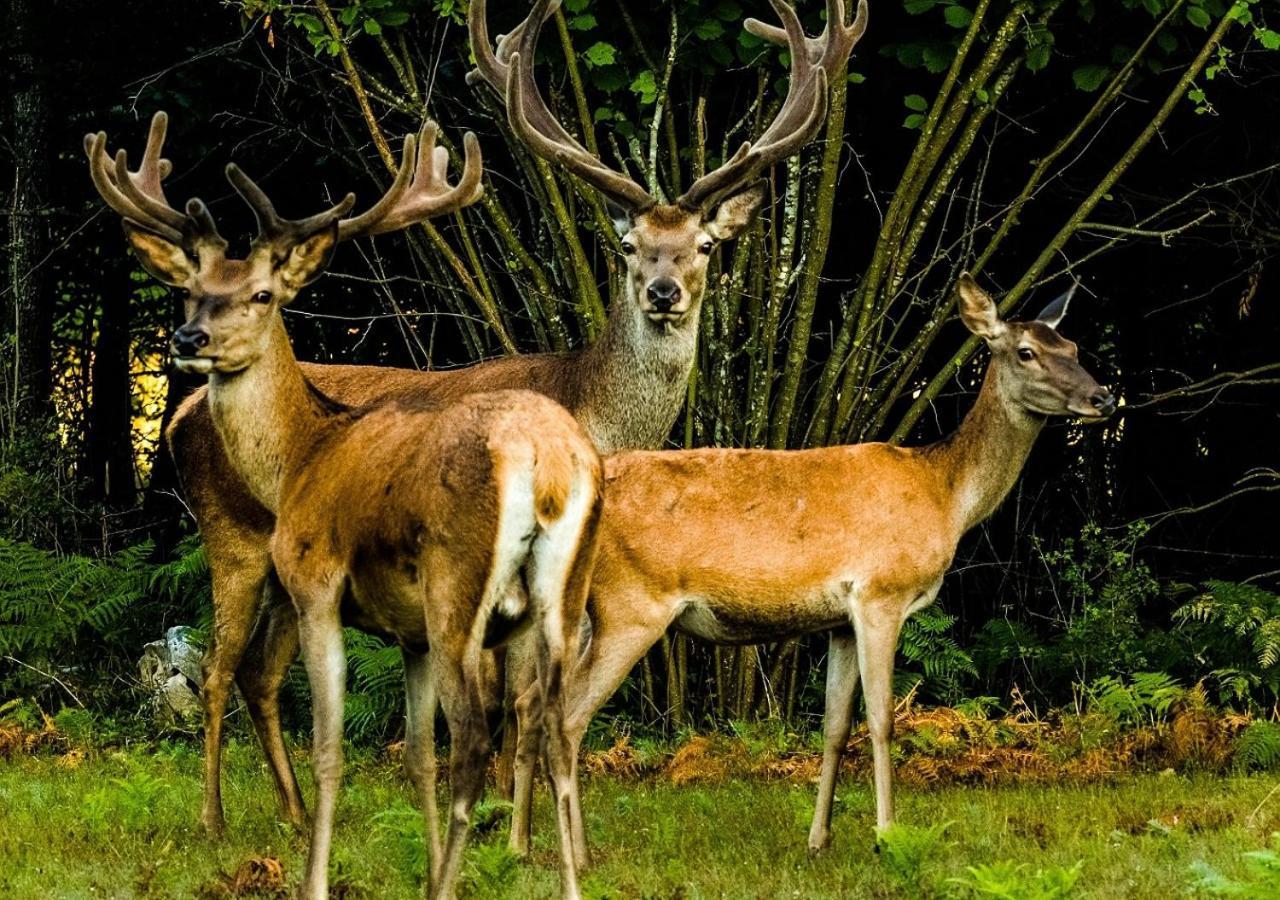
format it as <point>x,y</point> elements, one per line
<point>124,825</point>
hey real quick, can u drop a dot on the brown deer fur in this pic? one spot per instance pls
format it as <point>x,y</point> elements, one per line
<point>754,546</point>
<point>445,527</point>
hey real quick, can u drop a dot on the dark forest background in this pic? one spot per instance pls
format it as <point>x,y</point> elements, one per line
<point>1130,145</point>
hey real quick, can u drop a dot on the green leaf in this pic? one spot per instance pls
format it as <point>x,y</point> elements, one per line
<point>371,26</point>
<point>957,16</point>
<point>645,85</point>
<point>916,7</point>
<point>1090,78</point>
<point>1167,42</point>
<point>1038,57</point>
<point>913,121</point>
<point>1198,17</point>
<point>600,54</point>
<point>576,6</point>
<point>584,22</point>
<point>915,102</point>
<point>937,57</point>
<point>393,19</point>
<point>1155,7</point>
<point>709,29</point>
<point>857,78</point>
<point>1268,38</point>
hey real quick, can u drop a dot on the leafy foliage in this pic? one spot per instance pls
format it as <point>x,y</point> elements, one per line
<point>1144,699</point>
<point>1011,880</point>
<point>904,849</point>
<point>53,603</point>
<point>927,642</point>
<point>1258,748</point>
<point>1235,633</point>
<point>1262,882</point>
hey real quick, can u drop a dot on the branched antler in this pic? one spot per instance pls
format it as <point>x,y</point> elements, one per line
<point>508,68</point>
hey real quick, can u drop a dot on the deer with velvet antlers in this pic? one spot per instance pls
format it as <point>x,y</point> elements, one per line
<point>440,526</point>
<point>755,546</point>
<point>627,388</point>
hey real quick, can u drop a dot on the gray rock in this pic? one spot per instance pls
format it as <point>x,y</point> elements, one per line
<point>170,670</point>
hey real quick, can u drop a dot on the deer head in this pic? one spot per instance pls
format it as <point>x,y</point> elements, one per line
<point>231,304</point>
<point>1037,369</point>
<point>667,245</point>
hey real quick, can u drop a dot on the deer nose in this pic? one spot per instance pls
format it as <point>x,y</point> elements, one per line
<point>187,340</point>
<point>1104,402</point>
<point>664,293</point>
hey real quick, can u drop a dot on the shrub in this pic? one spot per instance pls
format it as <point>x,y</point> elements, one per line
<point>1234,630</point>
<point>1262,882</point>
<point>1014,881</point>
<point>904,849</point>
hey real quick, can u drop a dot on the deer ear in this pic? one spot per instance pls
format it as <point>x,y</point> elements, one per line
<point>620,216</point>
<point>977,310</point>
<point>736,212</point>
<point>159,256</point>
<point>1052,314</point>
<point>305,260</point>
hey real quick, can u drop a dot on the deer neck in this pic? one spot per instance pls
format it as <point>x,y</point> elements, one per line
<point>985,456</point>
<point>635,377</point>
<point>266,414</point>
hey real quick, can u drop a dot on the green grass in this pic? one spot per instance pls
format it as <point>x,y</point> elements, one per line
<point>124,825</point>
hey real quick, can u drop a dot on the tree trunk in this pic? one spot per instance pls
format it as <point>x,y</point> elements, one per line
<point>109,448</point>
<point>30,323</point>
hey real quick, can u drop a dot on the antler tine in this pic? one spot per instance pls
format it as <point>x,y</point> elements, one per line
<point>831,47</point>
<point>421,188</point>
<point>493,64</point>
<point>509,70</point>
<point>271,227</point>
<point>569,154</point>
<point>137,196</point>
<point>813,63</point>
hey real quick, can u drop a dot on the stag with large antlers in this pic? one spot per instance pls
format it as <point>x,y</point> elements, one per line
<point>445,526</point>
<point>666,244</point>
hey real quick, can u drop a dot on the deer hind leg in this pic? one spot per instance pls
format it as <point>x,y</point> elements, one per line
<point>877,626</point>
<point>457,679</point>
<point>420,747</point>
<point>272,649</point>
<point>323,653</point>
<point>842,685</point>
<point>522,668</point>
<point>239,573</point>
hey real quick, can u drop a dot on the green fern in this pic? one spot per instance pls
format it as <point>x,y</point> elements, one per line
<point>927,643</point>
<point>1258,748</point>
<point>51,603</point>
<point>1235,629</point>
<point>1146,698</point>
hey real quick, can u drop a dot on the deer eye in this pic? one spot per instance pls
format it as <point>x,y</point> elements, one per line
<point>628,248</point>
<point>1026,354</point>
<point>706,247</point>
<point>262,297</point>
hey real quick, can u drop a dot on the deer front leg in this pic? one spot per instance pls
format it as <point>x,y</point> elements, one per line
<point>320,631</point>
<point>876,630</point>
<point>272,649</point>
<point>420,748</point>
<point>842,685</point>
<point>616,647</point>
<point>238,575</point>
